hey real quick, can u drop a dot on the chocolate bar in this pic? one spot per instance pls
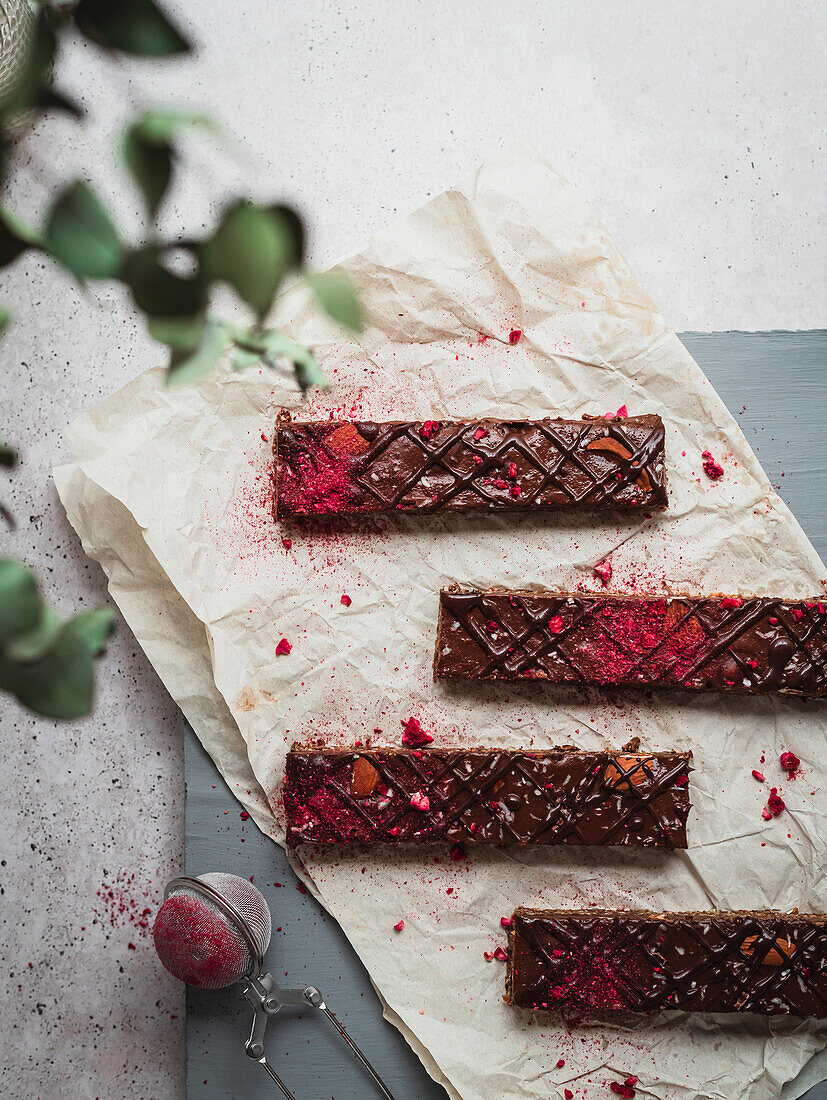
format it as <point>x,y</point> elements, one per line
<point>599,960</point>
<point>486,796</point>
<point>352,467</point>
<point>752,645</point>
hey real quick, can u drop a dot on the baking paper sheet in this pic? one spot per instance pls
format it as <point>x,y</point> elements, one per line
<point>171,492</point>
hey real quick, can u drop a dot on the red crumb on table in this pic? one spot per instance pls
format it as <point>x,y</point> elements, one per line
<point>790,763</point>
<point>514,335</point>
<point>244,815</point>
<point>457,853</point>
<point>420,801</point>
<point>775,803</point>
<point>567,1093</point>
<point>712,469</point>
<point>413,735</point>
<point>765,813</point>
<point>556,624</point>
<point>506,922</point>
<point>429,429</point>
<point>399,926</point>
<point>500,955</point>
<point>346,600</point>
<point>287,543</point>
<point>283,648</point>
<point>561,1062</point>
<point>603,569</point>
<point>757,775</point>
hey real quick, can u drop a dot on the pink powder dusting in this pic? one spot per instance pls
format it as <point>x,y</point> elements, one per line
<point>192,943</point>
<point>120,906</point>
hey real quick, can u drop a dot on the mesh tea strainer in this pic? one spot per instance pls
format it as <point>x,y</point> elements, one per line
<point>213,931</point>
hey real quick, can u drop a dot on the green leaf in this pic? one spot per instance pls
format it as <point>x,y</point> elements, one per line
<point>15,237</point>
<point>5,317</point>
<point>150,164</point>
<point>190,365</point>
<point>294,229</point>
<point>19,599</point>
<point>163,125</point>
<point>338,299</point>
<point>131,26</point>
<point>81,236</point>
<point>158,291</point>
<point>58,685</point>
<point>31,645</point>
<point>93,628</point>
<point>252,250</point>
<point>149,154</point>
<point>180,333</point>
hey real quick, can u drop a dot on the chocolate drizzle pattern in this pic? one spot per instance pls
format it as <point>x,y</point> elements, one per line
<point>489,796</point>
<point>753,645</point>
<point>335,467</point>
<point>764,962</point>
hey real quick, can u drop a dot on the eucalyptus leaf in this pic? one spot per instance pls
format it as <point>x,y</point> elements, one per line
<point>130,26</point>
<point>81,236</point>
<point>338,299</point>
<point>19,600</point>
<point>252,250</point>
<point>32,644</point>
<point>5,317</point>
<point>161,125</point>
<point>180,333</point>
<point>160,292</point>
<point>149,154</point>
<point>189,365</point>
<point>15,237</point>
<point>294,228</point>
<point>150,165</point>
<point>58,685</point>
<point>93,628</point>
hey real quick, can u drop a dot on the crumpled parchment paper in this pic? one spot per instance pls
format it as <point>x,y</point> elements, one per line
<point>171,492</point>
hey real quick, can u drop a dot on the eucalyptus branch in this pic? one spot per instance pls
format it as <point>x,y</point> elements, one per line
<point>253,248</point>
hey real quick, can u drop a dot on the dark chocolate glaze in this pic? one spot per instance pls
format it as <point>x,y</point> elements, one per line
<point>765,962</point>
<point>334,467</point>
<point>752,645</point>
<point>486,796</point>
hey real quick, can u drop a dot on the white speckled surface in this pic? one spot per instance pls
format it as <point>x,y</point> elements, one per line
<point>693,129</point>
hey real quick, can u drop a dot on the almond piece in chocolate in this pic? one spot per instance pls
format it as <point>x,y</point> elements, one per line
<point>628,771</point>
<point>364,778</point>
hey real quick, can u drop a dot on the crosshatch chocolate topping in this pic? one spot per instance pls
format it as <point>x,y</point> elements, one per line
<point>765,962</point>
<point>752,645</point>
<point>486,796</point>
<point>342,467</point>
